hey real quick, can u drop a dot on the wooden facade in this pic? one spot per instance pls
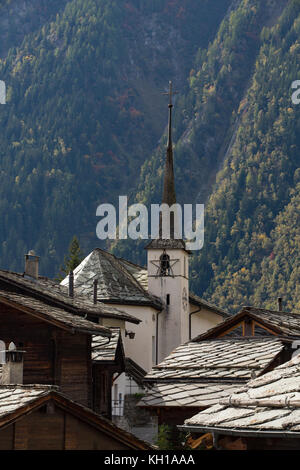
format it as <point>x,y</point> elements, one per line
<point>52,355</point>
<point>56,423</point>
<point>60,354</point>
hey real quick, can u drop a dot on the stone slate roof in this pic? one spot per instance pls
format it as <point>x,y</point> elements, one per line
<point>54,315</point>
<point>116,283</point>
<point>199,374</point>
<point>141,275</point>
<point>55,294</point>
<point>13,397</point>
<point>138,272</point>
<point>164,244</point>
<point>230,358</point>
<point>288,324</point>
<point>135,371</point>
<point>284,324</point>
<point>102,350</point>
<point>186,394</point>
<point>268,404</point>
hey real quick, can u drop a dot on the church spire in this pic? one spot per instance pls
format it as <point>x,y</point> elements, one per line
<point>169,195</point>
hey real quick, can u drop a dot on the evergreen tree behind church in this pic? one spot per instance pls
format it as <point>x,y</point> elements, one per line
<point>72,259</point>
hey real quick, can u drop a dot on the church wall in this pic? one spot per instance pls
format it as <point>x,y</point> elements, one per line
<point>174,320</point>
<point>139,349</point>
<point>203,321</point>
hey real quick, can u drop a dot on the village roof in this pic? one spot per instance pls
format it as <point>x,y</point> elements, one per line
<point>18,400</point>
<point>222,358</point>
<point>53,293</point>
<point>285,324</point>
<point>104,350</point>
<point>177,394</point>
<point>268,405</point>
<point>199,374</point>
<point>135,371</point>
<point>116,283</point>
<point>57,316</point>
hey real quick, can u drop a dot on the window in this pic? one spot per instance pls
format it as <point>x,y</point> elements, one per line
<point>168,299</point>
<point>2,352</point>
<point>153,350</point>
<point>164,264</point>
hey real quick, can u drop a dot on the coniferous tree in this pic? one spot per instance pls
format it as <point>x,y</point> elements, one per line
<point>72,259</point>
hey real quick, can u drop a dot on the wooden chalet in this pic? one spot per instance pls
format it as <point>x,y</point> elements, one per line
<point>212,366</point>
<point>41,418</point>
<point>58,334</point>
<point>262,415</point>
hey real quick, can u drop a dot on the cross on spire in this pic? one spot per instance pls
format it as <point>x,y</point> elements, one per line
<point>171,93</point>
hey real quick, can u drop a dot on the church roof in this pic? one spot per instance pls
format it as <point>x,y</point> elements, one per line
<point>140,274</point>
<point>196,300</point>
<point>268,405</point>
<point>164,244</point>
<point>116,280</point>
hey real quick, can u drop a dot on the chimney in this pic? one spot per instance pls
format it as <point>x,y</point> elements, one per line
<point>12,369</point>
<point>32,265</point>
<point>279,300</point>
<point>95,288</point>
<point>71,284</point>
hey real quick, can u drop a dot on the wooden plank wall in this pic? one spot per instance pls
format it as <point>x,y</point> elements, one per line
<point>53,356</point>
<point>59,430</point>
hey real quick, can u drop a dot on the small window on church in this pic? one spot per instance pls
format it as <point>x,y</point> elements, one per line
<point>168,299</point>
<point>2,352</point>
<point>164,265</point>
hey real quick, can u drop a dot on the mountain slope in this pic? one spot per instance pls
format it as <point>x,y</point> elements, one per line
<point>251,228</point>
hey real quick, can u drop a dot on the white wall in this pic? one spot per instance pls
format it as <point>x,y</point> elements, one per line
<point>203,321</point>
<point>174,320</point>
<point>139,349</point>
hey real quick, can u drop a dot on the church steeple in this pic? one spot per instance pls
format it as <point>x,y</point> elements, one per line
<point>168,264</point>
<point>169,195</point>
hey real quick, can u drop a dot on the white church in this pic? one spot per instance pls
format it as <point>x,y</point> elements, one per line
<point>163,311</point>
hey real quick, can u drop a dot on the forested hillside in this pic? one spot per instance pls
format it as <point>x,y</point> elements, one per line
<point>85,119</point>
